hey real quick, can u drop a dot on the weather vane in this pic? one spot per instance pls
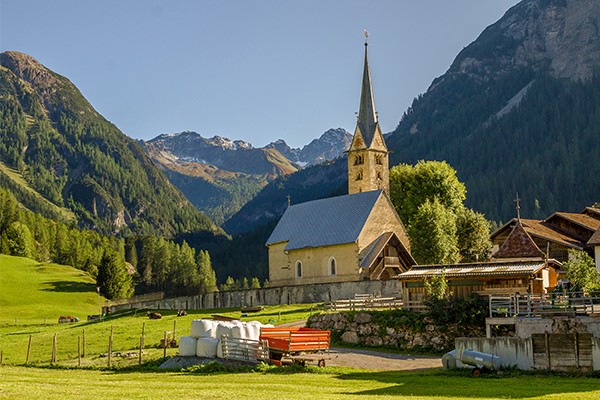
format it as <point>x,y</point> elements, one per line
<point>366,35</point>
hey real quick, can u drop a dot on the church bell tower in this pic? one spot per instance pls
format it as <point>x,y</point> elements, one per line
<point>368,156</point>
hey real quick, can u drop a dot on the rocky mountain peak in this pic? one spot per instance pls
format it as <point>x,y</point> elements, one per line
<point>561,36</point>
<point>27,68</point>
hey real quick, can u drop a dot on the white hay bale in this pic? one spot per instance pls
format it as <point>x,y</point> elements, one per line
<point>253,329</point>
<point>207,347</point>
<point>223,328</point>
<point>202,328</point>
<point>220,349</point>
<point>187,346</point>
<point>238,330</point>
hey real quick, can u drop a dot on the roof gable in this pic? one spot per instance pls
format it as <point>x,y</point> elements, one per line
<point>595,239</point>
<point>518,244</point>
<point>324,222</point>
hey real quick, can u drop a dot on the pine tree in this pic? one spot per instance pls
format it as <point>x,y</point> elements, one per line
<point>206,274</point>
<point>113,278</point>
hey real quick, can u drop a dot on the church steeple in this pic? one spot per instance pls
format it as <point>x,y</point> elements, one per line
<point>368,164</point>
<point>367,116</point>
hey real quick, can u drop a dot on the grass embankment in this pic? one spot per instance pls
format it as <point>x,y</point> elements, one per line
<point>34,383</point>
<point>34,293</point>
<point>33,296</point>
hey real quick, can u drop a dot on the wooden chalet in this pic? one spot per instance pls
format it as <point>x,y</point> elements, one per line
<point>555,235</point>
<point>484,278</point>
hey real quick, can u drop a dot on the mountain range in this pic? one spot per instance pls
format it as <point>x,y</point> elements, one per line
<point>62,159</point>
<point>517,111</point>
<point>219,175</point>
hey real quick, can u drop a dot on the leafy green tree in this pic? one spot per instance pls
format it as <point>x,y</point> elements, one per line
<point>437,286</point>
<point>582,271</point>
<point>113,279</point>
<point>473,230</point>
<point>411,186</point>
<point>433,234</point>
<point>245,285</point>
<point>255,283</point>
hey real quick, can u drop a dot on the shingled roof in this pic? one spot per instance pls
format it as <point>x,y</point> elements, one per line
<point>595,239</point>
<point>518,244</point>
<point>474,270</point>
<point>324,222</point>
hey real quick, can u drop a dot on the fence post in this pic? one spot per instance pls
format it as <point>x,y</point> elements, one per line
<point>165,345</point>
<point>79,351</point>
<point>141,349</point>
<point>110,345</point>
<point>54,345</point>
<point>83,345</point>
<point>174,329</point>
<point>28,349</point>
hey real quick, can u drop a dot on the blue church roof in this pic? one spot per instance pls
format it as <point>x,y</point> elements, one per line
<point>324,222</point>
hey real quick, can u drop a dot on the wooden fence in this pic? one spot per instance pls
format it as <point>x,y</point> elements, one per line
<point>544,304</point>
<point>364,302</point>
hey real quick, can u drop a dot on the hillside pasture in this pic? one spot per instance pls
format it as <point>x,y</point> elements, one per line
<point>38,293</point>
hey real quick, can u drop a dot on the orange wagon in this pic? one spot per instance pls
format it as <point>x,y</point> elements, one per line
<point>296,345</point>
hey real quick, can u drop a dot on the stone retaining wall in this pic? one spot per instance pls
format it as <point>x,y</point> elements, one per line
<point>358,328</point>
<point>301,294</point>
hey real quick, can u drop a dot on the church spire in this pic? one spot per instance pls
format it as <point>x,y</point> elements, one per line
<point>368,162</point>
<point>367,116</point>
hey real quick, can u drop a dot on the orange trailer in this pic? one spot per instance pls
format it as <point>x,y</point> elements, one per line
<point>297,345</point>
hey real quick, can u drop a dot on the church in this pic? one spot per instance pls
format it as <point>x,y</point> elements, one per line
<point>358,236</point>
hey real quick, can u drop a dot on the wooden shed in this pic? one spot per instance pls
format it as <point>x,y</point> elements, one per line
<point>485,278</point>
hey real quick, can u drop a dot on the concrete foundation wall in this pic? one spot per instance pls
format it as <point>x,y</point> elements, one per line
<point>512,351</point>
<point>317,293</point>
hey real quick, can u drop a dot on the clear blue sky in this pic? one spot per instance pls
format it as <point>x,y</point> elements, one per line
<point>250,70</point>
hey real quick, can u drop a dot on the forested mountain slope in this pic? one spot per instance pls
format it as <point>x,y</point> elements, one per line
<point>518,111</point>
<point>52,138</point>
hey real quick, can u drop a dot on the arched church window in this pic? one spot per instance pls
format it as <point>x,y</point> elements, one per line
<point>359,175</point>
<point>298,269</point>
<point>379,159</point>
<point>358,160</point>
<point>332,266</point>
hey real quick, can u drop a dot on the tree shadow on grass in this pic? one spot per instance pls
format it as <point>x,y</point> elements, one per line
<point>449,384</point>
<point>69,287</point>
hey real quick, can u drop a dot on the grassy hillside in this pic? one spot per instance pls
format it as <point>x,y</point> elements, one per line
<point>32,292</point>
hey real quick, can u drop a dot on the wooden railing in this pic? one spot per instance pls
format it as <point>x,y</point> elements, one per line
<point>365,302</point>
<point>248,350</point>
<point>544,304</point>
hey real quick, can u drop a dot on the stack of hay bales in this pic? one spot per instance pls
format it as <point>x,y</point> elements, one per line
<point>205,336</point>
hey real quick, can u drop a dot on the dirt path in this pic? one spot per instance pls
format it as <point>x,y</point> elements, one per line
<point>375,360</point>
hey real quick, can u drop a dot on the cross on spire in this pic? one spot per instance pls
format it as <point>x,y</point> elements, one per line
<point>518,201</point>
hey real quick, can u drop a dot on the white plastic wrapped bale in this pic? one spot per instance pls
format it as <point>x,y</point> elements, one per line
<point>238,330</point>
<point>253,330</point>
<point>202,328</point>
<point>187,346</point>
<point>223,328</point>
<point>207,347</point>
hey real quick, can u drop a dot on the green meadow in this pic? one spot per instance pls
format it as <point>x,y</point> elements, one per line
<point>34,295</point>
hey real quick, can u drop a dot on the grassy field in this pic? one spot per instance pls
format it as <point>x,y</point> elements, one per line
<point>33,296</point>
<point>32,293</point>
<point>35,383</point>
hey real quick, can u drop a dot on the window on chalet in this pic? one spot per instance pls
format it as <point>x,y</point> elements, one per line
<point>298,269</point>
